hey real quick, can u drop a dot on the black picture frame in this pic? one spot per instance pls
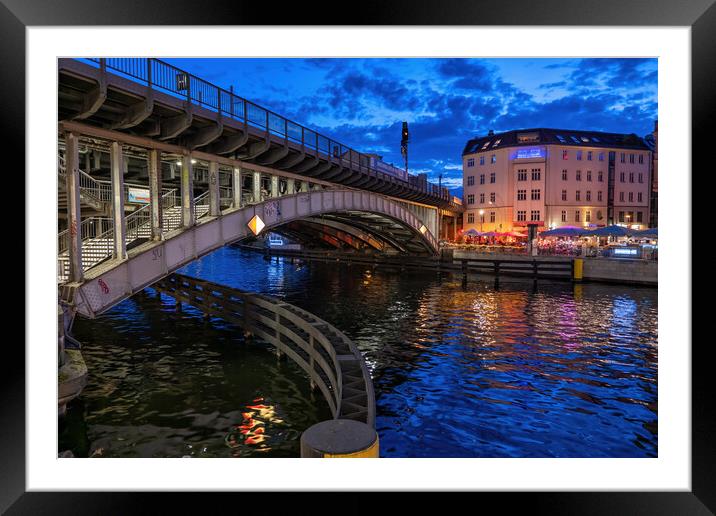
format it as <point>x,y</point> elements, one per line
<point>700,15</point>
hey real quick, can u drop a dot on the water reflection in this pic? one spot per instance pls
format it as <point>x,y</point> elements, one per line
<point>552,370</point>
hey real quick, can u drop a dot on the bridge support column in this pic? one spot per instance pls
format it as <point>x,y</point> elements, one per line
<point>214,193</point>
<point>256,184</point>
<point>290,186</point>
<point>187,192</point>
<point>274,186</point>
<point>236,190</point>
<point>74,215</point>
<point>155,192</point>
<point>120,226</point>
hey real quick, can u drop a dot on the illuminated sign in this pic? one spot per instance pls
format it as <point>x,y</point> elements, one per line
<point>626,252</point>
<point>256,224</point>
<point>139,195</point>
<point>529,153</point>
<point>423,229</point>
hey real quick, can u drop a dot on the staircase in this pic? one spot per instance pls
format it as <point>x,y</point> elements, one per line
<point>97,233</point>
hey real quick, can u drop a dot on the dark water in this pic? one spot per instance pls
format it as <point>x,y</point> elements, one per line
<point>552,370</point>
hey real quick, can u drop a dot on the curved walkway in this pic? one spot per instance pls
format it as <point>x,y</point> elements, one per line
<point>114,280</point>
<point>330,359</point>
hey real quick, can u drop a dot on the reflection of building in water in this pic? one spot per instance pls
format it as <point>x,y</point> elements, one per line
<point>556,177</point>
<point>252,430</point>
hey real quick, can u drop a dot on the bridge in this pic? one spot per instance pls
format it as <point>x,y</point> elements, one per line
<point>157,168</point>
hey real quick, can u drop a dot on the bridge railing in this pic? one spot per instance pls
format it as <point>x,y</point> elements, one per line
<point>179,83</point>
<point>333,363</point>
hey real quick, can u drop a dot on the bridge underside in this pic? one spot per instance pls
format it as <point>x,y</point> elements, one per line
<point>110,101</point>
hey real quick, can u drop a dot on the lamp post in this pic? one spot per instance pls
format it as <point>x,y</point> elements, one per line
<point>482,217</point>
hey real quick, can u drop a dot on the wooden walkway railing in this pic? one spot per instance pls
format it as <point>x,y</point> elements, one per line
<point>331,360</point>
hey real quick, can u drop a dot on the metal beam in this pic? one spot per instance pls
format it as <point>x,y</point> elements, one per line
<point>214,192</point>
<point>174,126</point>
<point>236,190</point>
<point>155,192</point>
<point>116,161</point>
<point>187,191</point>
<point>74,216</point>
<point>256,184</point>
<point>205,135</point>
<point>136,113</point>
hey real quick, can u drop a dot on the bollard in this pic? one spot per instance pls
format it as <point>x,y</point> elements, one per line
<point>340,438</point>
<point>577,269</point>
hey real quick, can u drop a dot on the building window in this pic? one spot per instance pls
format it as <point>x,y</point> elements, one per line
<point>589,155</point>
<point>631,177</point>
<point>589,175</point>
<point>470,218</point>
<point>521,195</point>
<point>565,154</point>
<point>482,160</point>
<point>631,158</point>
<point>599,196</point>
<point>621,196</point>
<point>601,156</point>
<point>536,195</point>
<point>639,197</point>
<point>564,215</point>
<point>522,174</point>
<point>577,196</point>
<point>638,215</point>
<point>471,199</point>
<point>579,175</point>
<point>564,195</point>
<point>576,216</point>
<point>621,216</point>
<point>622,176</point>
<point>631,196</point>
<point>492,197</point>
<point>600,176</point>
<point>482,198</point>
<point>521,215</point>
<point>482,179</point>
<point>564,174</point>
<point>470,180</point>
<point>492,177</point>
<point>589,195</point>
<point>641,159</point>
<point>493,158</point>
<point>536,174</point>
<point>579,155</point>
<point>641,177</point>
<point>492,216</point>
<point>622,157</point>
<point>471,162</point>
<point>588,216</point>
<point>534,215</point>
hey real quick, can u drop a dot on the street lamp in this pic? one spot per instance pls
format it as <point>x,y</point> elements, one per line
<point>482,218</point>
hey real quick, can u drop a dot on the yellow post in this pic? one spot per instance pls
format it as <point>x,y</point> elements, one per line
<point>338,439</point>
<point>578,269</point>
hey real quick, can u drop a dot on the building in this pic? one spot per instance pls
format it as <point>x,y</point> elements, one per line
<point>556,177</point>
<point>652,140</point>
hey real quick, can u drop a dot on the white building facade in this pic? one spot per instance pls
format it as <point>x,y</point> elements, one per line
<point>556,177</point>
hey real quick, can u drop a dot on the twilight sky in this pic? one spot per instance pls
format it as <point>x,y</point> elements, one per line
<point>362,102</point>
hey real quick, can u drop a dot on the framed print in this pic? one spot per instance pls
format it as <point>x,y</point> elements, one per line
<point>428,236</point>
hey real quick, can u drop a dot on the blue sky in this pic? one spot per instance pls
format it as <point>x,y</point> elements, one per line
<point>363,102</point>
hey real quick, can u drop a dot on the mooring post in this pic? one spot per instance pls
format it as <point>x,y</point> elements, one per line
<point>340,438</point>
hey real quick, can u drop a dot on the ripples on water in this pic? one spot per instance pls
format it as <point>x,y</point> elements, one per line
<point>554,370</point>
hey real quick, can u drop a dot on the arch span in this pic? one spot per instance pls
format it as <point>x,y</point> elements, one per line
<point>114,280</point>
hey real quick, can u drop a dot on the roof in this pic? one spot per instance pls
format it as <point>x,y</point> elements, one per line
<point>543,136</point>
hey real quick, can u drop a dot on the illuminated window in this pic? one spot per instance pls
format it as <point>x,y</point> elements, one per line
<point>471,162</point>
<point>521,195</point>
<point>564,195</point>
<point>471,199</point>
<point>487,143</point>
<point>493,158</point>
<point>564,174</point>
<point>564,215</point>
<point>470,180</point>
<point>497,142</point>
<point>565,154</point>
<point>527,137</point>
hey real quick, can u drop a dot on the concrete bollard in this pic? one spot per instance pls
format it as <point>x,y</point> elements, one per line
<point>340,438</point>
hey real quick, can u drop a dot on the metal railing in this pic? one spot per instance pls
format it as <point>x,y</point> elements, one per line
<point>156,73</point>
<point>333,363</point>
